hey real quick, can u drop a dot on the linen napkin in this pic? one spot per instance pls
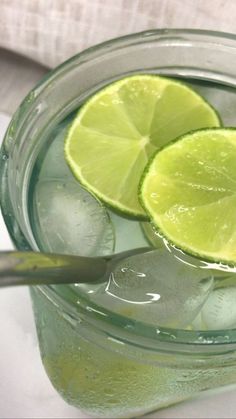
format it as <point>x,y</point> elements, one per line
<point>50,31</point>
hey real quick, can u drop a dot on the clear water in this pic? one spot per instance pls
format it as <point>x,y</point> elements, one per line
<point>158,287</point>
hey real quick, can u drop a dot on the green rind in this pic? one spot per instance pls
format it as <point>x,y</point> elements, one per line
<point>190,252</point>
<point>114,204</point>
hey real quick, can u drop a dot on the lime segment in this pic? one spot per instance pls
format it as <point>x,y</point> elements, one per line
<point>119,128</point>
<point>189,191</point>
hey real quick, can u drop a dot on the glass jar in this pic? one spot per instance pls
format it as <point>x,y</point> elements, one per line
<point>101,362</point>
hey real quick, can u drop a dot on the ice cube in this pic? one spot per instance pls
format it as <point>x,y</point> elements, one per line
<point>152,234</point>
<point>54,165</point>
<point>68,219</point>
<point>158,288</point>
<point>129,234</point>
<point>219,311</point>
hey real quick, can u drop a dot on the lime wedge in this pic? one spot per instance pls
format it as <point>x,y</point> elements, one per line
<point>120,127</point>
<point>189,191</point>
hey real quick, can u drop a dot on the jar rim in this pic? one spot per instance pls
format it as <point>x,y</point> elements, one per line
<point>163,33</point>
<point>185,340</point>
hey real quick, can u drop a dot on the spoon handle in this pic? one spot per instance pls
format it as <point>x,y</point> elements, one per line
<point>36,268</point>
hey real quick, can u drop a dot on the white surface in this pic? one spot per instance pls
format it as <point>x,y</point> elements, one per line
<point>25,391</point>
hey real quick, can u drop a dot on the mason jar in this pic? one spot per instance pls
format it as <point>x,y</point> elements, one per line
<point>107,364</point>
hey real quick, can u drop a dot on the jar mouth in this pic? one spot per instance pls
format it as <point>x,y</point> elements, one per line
<point>210,341</point>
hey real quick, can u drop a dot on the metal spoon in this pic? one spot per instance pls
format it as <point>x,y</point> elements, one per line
<point>36,268</point>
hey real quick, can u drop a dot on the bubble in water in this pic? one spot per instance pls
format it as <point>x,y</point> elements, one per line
<point>157,288</point>
<point>68,219</point>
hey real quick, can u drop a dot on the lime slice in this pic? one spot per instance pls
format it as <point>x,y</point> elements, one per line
<point>189,191</point>
<point>119,128</point>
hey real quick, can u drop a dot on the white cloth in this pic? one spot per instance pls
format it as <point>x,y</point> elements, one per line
<point>50,31</point>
